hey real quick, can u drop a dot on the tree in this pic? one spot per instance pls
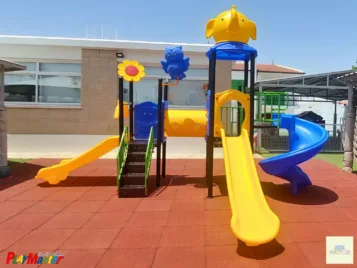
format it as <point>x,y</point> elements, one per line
<point>354,68</point>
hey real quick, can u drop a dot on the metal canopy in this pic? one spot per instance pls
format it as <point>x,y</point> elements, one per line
<point>330,86</point>
<point>9,66</point>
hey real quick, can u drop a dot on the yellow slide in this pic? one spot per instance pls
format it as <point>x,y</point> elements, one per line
<point>59,172</point>
<point>252,220</point>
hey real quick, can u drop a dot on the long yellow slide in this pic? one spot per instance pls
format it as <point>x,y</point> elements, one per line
<point>59,172</point>
<point>252,220</point>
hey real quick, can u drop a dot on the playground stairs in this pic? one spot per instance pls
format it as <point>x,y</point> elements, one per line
<point>134,173</point>
<point>132,183</point>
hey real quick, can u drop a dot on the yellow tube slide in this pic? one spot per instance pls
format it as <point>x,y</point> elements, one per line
<point>59,172</point>
<point>252,220</point>
<point>185,123</point>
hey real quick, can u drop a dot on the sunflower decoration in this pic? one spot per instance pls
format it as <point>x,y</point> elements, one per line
<point>132,71</point>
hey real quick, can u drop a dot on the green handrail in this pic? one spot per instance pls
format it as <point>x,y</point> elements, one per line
<point>122,154</point>
<point>269,99</point>
<point>148,158</point>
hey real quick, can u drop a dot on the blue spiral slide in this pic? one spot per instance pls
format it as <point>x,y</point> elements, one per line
<point>306,139</point>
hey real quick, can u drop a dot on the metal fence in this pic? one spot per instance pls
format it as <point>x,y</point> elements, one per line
<point>277,140</point>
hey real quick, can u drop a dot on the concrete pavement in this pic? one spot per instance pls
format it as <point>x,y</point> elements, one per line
<point>68,146</point>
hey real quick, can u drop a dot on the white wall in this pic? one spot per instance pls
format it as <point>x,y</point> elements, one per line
<point>40,52</point>
<point>33,52</point>
<point>153,58</point>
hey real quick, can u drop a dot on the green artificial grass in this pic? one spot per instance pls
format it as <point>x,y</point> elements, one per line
<point>335,159</point>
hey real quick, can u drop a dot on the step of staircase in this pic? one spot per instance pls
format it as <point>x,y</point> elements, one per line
<point>132,191</point>
<point>137,147</point>
<point>134,167</point>
<point>136,156</point>
<point>133,179</point>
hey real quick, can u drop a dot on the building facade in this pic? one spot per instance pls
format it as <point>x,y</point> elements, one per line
<point>263,72</point>
<point>70,86</point>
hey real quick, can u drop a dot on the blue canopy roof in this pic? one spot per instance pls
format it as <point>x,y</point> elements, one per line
<point>232,51</point>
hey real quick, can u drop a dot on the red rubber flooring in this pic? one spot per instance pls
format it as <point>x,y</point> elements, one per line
<point>177,226</point>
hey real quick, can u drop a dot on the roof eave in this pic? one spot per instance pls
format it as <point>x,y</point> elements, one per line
<point>99,43</point>
<point>9,66</point>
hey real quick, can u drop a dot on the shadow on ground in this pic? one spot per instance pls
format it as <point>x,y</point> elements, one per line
<point>261,252</point>
<point>19,173</point>
<point>180,180</point>
<point>311,195</point>
<point>83,181</point>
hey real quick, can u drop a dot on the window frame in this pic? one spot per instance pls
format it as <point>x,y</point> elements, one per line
<point>188,78</point>
<point>37,73</point>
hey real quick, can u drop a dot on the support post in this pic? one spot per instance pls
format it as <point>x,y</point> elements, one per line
<point>251,93</point>
<point>121,105</point>
<point>335,120</point>
<point>159,133</point>
<point>166,89</point>
<point>349,128</point>
<point>210,139</point>
<point>4,169</point>
<point>245,82</point>
<point>258,144</point>
<point>238,112</point>
<point>246,71</point>
<point>131,103</point>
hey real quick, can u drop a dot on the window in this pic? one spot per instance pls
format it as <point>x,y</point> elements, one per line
<point>59,89</point>
<point>187,93</point>
<point>41,82</point>
<point>20,88</point>
<point>145,90</point>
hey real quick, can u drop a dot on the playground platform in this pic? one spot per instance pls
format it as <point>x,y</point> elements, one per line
<point>177,226</point>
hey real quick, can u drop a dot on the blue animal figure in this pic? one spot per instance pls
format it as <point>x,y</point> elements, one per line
<point>176,64</point>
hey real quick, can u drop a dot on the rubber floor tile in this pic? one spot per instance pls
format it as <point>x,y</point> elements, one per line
<point>133,258</point>
<point>193,257</point>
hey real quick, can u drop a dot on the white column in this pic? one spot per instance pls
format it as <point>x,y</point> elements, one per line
<point>3,128</point>
<point>349,128</point>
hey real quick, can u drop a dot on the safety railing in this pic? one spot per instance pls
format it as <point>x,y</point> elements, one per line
<point>232,118</point>
<point>277,140</point>
<point>270,105</point>
<point>148,158</point>
<point>122,154</point>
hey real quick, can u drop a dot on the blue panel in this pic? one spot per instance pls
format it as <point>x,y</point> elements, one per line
<point>145,116</point>
<point>275,118</point>
<point>232,51</point>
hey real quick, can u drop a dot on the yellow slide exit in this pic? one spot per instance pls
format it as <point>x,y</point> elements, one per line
<point>252,220</point>
<point>59,172</point>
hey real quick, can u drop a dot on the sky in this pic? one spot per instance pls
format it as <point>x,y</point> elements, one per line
<point>311,35</point>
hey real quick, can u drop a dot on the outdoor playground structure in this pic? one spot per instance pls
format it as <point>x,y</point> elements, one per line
<point>151,123</point>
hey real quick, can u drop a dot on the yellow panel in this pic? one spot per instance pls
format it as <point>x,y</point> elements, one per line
<point>185,123</point>
<point>59,172</point>
<point>229,95</point>
<point>252,220</point>
<point>126,110</point>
